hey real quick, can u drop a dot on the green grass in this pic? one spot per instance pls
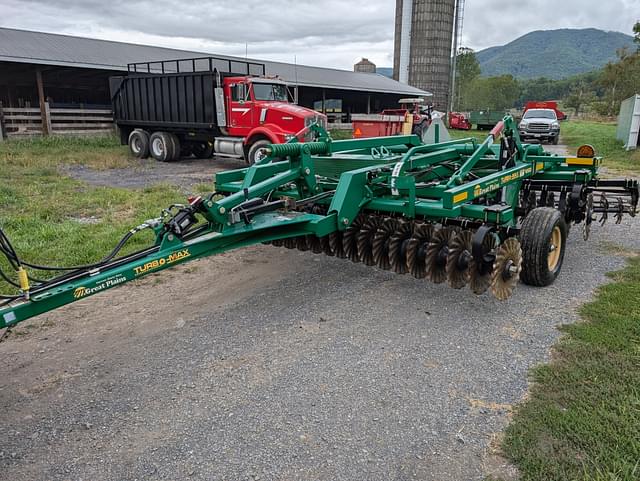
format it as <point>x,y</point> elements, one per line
<point>603,137</point>
<point>582,418</point>
<point>54,219</point>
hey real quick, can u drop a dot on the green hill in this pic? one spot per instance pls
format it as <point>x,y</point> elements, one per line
<point>554,54</point>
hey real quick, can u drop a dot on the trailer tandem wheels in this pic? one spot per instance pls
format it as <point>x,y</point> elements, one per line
<point>483,215</point>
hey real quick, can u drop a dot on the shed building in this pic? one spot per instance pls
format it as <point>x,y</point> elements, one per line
<point>73,72</point>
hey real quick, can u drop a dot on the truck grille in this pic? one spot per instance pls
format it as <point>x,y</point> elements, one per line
<point>538,127</point>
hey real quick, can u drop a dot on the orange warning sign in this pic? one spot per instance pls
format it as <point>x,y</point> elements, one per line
<point>357,133</point>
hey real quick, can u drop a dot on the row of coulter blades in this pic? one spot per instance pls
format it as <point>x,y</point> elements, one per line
<point>438,253</point>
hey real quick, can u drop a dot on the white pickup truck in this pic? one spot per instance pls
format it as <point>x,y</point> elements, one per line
<point>541,125</point>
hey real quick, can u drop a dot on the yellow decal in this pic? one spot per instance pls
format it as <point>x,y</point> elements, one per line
<point>579,161</point>
<point>156,264</point>
<point>540,166</point>
<point>80,292</point>
<point>460,197</point>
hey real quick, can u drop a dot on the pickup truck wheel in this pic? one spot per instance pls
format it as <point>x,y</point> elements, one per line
<point>139,143</point>
<point>255,153</point>
<point>555,140</point>
<point>161,146</point>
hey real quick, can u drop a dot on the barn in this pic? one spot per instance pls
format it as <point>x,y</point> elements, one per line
<point>64,80</point>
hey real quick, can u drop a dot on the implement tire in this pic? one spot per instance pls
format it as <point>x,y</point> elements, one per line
<point>543,238</point>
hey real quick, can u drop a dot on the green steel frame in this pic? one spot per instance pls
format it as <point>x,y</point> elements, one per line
<point>455,181</point>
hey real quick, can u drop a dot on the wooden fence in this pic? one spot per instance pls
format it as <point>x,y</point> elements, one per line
<point>28,122</point>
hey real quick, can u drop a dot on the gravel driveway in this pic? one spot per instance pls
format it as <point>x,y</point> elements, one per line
<point>310,368</point>
<point>279,365</point>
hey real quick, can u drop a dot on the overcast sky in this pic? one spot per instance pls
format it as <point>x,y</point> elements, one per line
<point>331,33</point>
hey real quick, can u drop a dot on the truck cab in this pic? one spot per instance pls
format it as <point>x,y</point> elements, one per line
<point>259,111</point>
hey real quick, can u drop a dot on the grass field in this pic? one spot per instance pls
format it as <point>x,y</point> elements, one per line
<point>53,219</point>
<point>603,137</point>
<point>582,418</point>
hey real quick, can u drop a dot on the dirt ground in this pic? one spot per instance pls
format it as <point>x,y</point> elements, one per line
<point>266,363</point>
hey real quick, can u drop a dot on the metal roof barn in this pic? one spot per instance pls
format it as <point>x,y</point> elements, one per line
<point>63,50</point>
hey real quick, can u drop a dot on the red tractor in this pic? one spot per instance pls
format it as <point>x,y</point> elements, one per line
<point>459,121</point>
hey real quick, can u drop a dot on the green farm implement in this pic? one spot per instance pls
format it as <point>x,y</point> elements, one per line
<point>472,214</point>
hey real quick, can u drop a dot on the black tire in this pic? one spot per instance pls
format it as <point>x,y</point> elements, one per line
<point>555,140</point>
<point>541,230</point>
<point>254,151</point>
<point>139,143</point>
<point>202,150</point>
<point>176,153</point>
<point>161,146</point>
<point>420,129</point>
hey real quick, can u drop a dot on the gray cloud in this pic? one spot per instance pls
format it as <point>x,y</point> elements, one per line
<point>326,32</point>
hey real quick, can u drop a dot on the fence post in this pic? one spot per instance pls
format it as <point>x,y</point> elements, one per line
<point>1,123</point>
<point>44,117</point>
<point>47,118</point>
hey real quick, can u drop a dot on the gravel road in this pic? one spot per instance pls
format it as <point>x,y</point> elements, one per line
<point>280,365</point>
<point>321,369</point>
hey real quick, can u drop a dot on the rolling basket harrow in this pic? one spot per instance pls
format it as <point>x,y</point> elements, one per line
<point>482,215</point>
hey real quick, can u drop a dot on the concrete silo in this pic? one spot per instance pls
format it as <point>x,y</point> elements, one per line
<point>423,46</point>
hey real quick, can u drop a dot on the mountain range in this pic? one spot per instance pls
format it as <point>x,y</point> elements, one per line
<point>553,54</point>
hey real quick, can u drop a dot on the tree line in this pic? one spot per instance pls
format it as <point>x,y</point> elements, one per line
<point>599,92</point>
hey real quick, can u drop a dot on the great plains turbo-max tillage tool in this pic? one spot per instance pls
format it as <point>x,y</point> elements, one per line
<point>462,212</point>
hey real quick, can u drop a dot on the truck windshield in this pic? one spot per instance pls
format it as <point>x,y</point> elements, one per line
<point>539,114</point>
<point>276,92</point>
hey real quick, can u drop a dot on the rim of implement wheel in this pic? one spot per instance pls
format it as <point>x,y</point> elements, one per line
<point>544,238</point>
<point>506,269</point>
<point>553,258</point>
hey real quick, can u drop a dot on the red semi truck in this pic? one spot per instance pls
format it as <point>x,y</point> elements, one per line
<point>549,104</point>
<point>203,106</point>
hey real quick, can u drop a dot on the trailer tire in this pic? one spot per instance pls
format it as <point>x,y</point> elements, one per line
<point>543,238</point>
<point>161,146</point>
<point>254,151</point>
<point>139,143</point>
<point>176,153</point>
<point>202,150</point>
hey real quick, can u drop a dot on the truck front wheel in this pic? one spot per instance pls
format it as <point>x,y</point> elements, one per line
<point>255,151</point>
<point>139,143</point>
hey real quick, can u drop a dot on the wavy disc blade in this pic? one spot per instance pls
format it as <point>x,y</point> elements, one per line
<point>350,239</point>
<point>458,260</point>
<point>380,245</point>
<point>480,275</point>
<point>506,269</point>
<point>335,244</point>
<point>365,238</point>
<point>397,246</point>
<point>417,250</point>
<point>437,251</point>
<point>302,244</point>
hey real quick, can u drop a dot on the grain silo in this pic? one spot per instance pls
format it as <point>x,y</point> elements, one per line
<point>365,65</point>
<point>423,46</point>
